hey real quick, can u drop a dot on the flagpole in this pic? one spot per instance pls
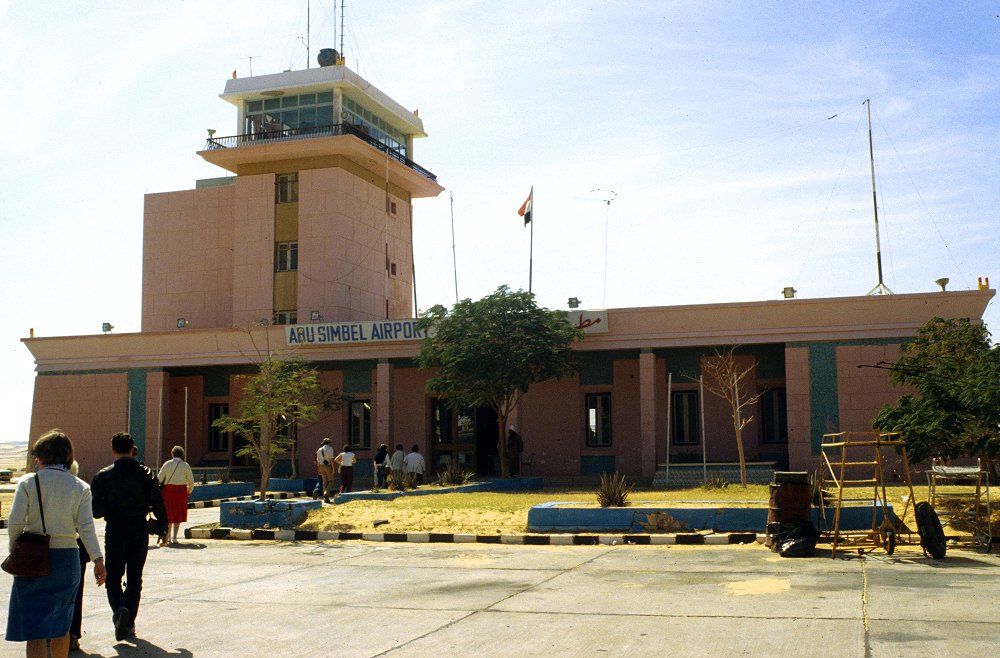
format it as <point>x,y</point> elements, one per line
<point>531,242</point>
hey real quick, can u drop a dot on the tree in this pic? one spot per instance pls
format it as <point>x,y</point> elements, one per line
<point>955,409</point>
<point>489,352</point>
<point>725,377</point>
<point>280,394</point>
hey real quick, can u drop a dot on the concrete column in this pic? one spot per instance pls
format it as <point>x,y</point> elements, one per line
<point>648,393</point>
<point>384,403</point>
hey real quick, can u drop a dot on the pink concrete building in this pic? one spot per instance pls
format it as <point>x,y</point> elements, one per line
<point>308,248</point>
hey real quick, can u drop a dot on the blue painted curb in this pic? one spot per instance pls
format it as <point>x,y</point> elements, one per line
<point>569,517</point>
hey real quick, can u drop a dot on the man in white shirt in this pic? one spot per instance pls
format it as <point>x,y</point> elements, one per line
<point>324,466</point>
<point>415,465</point>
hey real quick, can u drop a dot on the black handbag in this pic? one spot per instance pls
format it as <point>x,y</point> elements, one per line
<point>30,556</point>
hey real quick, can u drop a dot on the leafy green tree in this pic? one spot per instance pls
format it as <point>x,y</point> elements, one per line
<point>489,352</point>
<point>280,394</point>
<point>955,410</point>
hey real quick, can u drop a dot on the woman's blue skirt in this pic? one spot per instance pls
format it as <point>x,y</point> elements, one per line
<point>42,608</point>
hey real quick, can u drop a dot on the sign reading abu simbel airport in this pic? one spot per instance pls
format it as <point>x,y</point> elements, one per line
<point>377,331</point>
<point>384,331</point>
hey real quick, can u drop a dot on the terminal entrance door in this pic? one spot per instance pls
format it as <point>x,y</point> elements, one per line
<point>463,435</point>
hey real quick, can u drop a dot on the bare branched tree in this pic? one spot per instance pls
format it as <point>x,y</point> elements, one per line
<point>725,377</point>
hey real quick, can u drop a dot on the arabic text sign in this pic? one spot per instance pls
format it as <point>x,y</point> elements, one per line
<point>591,322</point>
<point>353,332</point>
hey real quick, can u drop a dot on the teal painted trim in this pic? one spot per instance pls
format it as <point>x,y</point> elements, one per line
<point>358,376</point>
<point>686,361</point>
<point>823,395</point>
<point>137,409</point>
<point>598,368</point>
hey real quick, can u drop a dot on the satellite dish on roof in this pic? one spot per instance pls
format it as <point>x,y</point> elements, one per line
<point>327,57</point>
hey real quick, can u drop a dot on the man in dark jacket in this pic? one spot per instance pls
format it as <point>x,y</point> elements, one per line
<point>123,495</point>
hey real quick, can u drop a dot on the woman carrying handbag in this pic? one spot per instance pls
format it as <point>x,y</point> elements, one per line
<point>55,503</point>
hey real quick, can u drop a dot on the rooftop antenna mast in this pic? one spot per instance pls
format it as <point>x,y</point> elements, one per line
<point>880,288</point>
<point>342,56</point>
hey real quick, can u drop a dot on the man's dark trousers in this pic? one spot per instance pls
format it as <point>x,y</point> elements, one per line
<point>125,550</point>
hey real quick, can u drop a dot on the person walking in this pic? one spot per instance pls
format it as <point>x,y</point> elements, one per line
<point>76,628</point>
<point>177,480</point>
<point>381,461</point>
<point>54,502</point>
<point>415,465</point>
<point>324,466</point>
<point>398,461</point>
<point>123,494</point>
<point>345,461</point>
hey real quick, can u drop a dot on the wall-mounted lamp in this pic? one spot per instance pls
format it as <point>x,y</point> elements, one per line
<point>264,322</point>
<point>315,316</point>
<point>181,323</point>
<point>788,292</point>
<point>106,327</point>
<point>573,302</point>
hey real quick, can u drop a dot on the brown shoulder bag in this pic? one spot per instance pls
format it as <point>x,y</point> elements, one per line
<point>30,556</point>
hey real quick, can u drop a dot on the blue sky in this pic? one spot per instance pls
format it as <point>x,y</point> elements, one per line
<point>706,124</point>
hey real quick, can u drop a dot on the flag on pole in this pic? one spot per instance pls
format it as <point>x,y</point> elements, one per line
<point>525,210</point>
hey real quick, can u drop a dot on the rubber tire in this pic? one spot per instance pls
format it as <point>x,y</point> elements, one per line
<point>930,530</point>
<point>889,542</point>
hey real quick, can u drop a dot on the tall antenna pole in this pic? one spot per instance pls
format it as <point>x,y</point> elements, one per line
<point>308,31</point>
<point>880,288</point>
<point>342,56</point>
<point>454,261</point>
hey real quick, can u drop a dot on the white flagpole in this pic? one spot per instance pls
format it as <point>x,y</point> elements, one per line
<point>701,413</point>
<point>670,384</point>
<point>531,244</point>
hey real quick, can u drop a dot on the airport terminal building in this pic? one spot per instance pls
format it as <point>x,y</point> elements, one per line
<point>306,249</point>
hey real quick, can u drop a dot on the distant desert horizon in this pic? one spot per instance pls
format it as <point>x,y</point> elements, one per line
<point>13,455</point>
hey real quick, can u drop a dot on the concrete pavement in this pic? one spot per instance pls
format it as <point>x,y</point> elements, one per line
<point>251,598</point>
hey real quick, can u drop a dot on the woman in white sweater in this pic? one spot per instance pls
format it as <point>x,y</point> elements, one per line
<point>42,608</point>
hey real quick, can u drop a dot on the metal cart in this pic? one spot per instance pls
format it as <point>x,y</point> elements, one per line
<point>968,509</point>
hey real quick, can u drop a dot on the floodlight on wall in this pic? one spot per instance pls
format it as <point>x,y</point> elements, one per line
<point>264,322</point>
<point>315,316</point>
<point>788,292</point>
<point>573,302</point>
<point>943,281</point>
<point>106,327</point>
<point>181,323</point>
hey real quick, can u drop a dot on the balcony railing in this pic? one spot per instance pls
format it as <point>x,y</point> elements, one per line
<point>336,129</point>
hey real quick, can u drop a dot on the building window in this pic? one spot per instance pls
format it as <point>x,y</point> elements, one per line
<point>304,114</point>
<point>441,418</point>
<point>286,188</point>
<point>286,317</point>
<point>598,419</point>
<point>286,256</point>
<point>684,414</point>
<point>218,441</point>
<point>360,431</point>
<point>774,416</point>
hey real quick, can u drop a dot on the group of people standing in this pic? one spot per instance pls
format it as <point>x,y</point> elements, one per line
<point>328,464</point>
<point>46,612</point>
